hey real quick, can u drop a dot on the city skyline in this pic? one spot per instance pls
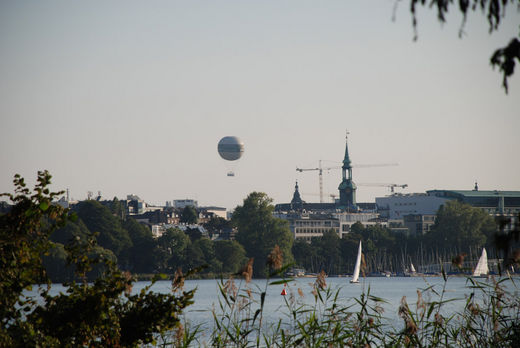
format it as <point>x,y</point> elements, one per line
<point>132,98</point>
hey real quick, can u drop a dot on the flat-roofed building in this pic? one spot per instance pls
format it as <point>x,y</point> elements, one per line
<point>398,205</point>
<point>494,202</point>
<point>214,211</point>
<point>183,203</point>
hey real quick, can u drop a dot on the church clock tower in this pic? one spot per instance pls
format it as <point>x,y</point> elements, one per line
<point>347,188</point>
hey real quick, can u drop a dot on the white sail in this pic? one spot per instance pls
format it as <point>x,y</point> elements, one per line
<point>482,265</point>
<point>355,276</point>
<point>412,268</point>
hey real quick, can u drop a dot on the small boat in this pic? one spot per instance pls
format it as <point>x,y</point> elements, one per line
<point>412,268</point>
<point>295,272</point>
<point>355,275</point>
<point>482,270</point>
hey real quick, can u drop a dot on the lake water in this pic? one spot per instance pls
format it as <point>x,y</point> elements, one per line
<point>390,289</point>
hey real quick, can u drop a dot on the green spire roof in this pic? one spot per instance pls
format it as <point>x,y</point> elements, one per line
<point>346,160</point>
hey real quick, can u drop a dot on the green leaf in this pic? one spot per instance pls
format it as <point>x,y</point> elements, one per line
<point>258,311</point>
<point>44,206</point>
<point>281,281</point>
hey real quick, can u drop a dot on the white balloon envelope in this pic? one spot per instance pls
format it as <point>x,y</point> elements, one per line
<point>230,148</point>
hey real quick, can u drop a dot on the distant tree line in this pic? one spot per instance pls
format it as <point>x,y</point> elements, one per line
<point>131,244</point>
<point>459,228</point>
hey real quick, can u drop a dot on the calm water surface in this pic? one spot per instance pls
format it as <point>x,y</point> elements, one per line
<point>390,289</point>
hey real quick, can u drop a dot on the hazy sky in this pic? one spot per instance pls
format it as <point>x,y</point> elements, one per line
<point>133,96</point>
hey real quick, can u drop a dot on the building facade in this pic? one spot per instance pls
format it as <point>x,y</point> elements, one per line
<point>398,205</point>
<point>305,226</point>
<point>346,220</point>
<point>418,224</point>
<point>183,203</point>
<point>495,203</point>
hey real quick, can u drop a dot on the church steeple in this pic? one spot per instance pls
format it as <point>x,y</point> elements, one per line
<point>296,202</point>
<point>346,160</point>
<point>347,188</point>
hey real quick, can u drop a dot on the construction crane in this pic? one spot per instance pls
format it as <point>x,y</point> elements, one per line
<point>391,186</point>
<point>320,174</point>
<point>320,170</point>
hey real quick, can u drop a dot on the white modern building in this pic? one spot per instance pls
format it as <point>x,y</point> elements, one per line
<point>215,211</point>
<point>135,205</point>
<point>183,203</point>
<point>398,205</point>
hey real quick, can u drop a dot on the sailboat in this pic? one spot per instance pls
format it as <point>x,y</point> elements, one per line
<point>482,269</point>
<point>355,276</point>
<point>413,272</point>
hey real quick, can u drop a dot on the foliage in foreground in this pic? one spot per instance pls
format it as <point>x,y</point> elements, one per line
<point>102,313</point>
<point>505,57</point>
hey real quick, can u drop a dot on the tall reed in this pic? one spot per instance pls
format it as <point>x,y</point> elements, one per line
<point>490,316</point>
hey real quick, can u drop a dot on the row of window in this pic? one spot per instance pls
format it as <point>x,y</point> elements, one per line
<point>313,230</point>
<point>405,212</point>
<point>315,223</point>
<point>506,211</point>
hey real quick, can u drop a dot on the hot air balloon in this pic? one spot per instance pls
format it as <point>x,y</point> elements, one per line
<point>230,148</point>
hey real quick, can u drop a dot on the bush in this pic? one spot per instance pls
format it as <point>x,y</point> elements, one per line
<point>102,313</point>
